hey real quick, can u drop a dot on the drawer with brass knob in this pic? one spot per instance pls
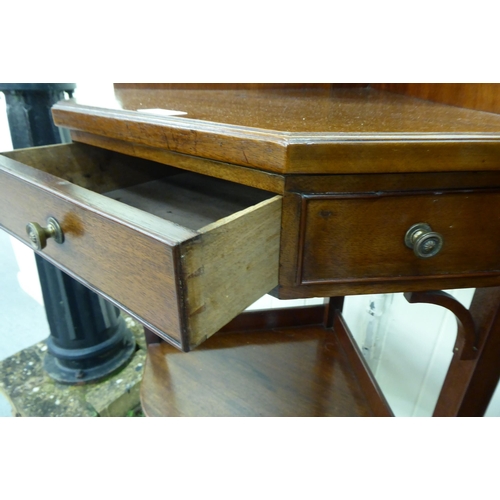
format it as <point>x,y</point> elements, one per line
<point>393,241</point>
<point>424,242</point>
<point>182,252</point>
<point>38,235</point>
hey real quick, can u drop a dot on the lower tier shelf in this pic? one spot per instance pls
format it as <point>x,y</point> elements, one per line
<point>261,365</point>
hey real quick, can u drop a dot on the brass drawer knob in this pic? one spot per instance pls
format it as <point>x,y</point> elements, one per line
<point>39,235</point>
<point>424,242</point>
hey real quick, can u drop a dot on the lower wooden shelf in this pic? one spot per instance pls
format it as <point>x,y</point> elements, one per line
<point>266,363</point>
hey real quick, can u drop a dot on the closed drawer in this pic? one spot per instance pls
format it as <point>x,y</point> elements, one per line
<point>360,238</point>
<point>181,252</point>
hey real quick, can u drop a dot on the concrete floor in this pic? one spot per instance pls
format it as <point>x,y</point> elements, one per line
<point>22,319</point>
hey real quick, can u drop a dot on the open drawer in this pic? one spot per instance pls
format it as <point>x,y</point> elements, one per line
<point>181,252</point>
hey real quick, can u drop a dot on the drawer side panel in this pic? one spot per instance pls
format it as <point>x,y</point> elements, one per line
<point>229,266</point>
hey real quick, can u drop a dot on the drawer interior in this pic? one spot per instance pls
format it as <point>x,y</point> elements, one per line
<point>188,199</point>
<point>185,198</point>
<point>182,252</point>
<point>96,169</point>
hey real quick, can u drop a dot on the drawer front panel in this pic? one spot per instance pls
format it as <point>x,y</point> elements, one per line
<point>182,253</point>
<point>134,269</point>
<point>361,238</point>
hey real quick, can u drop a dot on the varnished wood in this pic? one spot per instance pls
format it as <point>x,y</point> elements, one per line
<point>170,260</point>
<point>372,287</point>
<point>229,266</point>
<point>189,200</point>
<point>234,173</point>
<point>110,247</point>
<point>480,96</point>
<point>347,243</point>
<point>484,380</point>
<point>299,131</point>
<point>347,237</point>
<point>92,168</point>
<point>392,143</point>
<point>335,306</point>
<point>356,166</point>
<point>366,379</point>
<point>334,319</point>
<point>470,383</point>
<point>381,114</point>
<point>467,335</point>
<point>276,318</point>
<point>380,183</point>
<point>300,371</point>
<point>302,111</point>
<point>235,86</point>
<point>151,337</point>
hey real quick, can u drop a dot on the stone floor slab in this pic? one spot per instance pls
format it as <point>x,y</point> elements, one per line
<point>33,393</point>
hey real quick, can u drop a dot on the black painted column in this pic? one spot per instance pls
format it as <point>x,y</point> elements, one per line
<point>88,337</point>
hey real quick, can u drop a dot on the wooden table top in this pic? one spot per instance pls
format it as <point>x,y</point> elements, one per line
<point>359,130</point>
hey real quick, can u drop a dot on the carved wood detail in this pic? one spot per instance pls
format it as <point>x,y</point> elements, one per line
<point>467,333</point>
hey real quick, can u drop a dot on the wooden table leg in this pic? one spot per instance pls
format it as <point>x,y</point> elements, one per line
<point>470,383</point>
<point>151,337</point>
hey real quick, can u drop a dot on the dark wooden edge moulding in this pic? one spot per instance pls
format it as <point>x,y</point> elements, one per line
<point>285,149</point>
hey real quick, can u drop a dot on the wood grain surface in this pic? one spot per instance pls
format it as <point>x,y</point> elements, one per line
<point>367,380</point>
<point>283,372</point>
<point>92,168</point>
<point>470,383</point>
<point>361,236</point>
<point>235,86</point>
<point>357,166</point>
<point>230,265</point>
<point>480,96</point>
<point>184,254</point>
<point>229,172</point>
<point>106,246</point>
<point>344,235</point>
<point>358,130</point>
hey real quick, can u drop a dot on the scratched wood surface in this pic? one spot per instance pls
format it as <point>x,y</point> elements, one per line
<point>343,130</point>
